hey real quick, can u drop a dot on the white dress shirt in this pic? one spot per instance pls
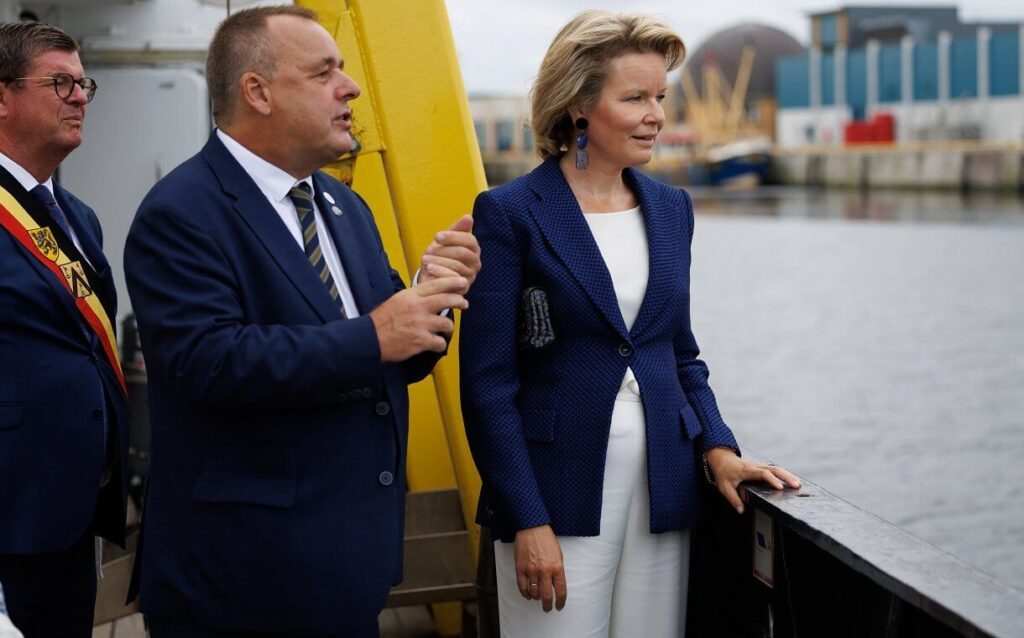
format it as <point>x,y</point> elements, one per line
<point>275,184</point>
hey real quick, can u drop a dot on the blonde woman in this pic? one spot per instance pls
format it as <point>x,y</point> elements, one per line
<point>587,409</point>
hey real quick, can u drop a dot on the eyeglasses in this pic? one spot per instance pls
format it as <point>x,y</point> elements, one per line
<point>64,84</point>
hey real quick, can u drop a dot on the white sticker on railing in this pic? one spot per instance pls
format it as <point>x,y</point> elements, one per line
<point>764,547</point>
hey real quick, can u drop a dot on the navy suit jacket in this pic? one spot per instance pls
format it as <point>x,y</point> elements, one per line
<point>538,419</point>
<point>276,490</point>
<point>56,390</point>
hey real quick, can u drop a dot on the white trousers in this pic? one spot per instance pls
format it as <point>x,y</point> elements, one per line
<point>624,583</point>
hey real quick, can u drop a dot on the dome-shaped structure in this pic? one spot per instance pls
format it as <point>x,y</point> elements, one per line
<point>726,47</point>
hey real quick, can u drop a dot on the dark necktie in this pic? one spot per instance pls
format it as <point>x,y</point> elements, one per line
<point>302,197</point>
<point>44,197</point>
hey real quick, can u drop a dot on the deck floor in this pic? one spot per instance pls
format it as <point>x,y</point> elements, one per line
<point>396,622</point>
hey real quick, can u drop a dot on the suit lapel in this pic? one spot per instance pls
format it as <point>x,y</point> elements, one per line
<point>561,221</point>
<point>263,220</point>
<point>90,248</point>
<point>348,249</point>
<point>666,244</point>
<point>95,263</point>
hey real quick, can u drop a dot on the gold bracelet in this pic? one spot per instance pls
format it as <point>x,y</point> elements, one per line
<point>707,471</point>
<point>707,468</point>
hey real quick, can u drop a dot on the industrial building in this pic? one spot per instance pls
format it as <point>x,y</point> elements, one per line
<point>931,75</point>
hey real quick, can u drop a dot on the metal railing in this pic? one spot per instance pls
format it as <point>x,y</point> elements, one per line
<point>824,568</point>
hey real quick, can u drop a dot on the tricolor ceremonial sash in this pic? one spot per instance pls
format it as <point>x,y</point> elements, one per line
<point>41,242</point>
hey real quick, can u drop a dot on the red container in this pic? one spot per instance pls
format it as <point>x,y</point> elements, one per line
<point>884,125</point>
<point>880,129</point>
<point>856,133</point>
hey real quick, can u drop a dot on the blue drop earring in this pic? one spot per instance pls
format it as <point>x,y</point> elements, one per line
<point>582,156</point>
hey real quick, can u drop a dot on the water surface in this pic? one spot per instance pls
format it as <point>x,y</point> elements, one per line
<point>875,345</point>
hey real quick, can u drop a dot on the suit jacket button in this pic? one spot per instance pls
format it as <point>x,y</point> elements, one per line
<point>366,393</point>
<point>383,408</point>
<point>625,349</point>
<point>342,397</point>
<point>386,478</point>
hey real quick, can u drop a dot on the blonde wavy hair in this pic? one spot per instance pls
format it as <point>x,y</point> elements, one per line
<point>575,68</point>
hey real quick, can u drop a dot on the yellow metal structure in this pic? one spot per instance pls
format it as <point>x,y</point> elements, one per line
<point>419,169</point>
<point>719,115</point>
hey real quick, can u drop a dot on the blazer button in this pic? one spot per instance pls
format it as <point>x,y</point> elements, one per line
<point>386,478</point>
<point>342,397</point>
<point>366,393</point>
<point>383,408</point>
<point>625,349</point>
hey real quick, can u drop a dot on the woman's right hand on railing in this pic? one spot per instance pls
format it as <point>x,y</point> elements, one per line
<point>729,471</point>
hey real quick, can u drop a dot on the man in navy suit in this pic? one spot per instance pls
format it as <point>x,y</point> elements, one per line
<point>63,410</point>
<point>279,344</point>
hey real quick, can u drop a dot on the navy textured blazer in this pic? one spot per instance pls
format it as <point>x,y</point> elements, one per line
<point>56,390</point>
<point>277,485</point>
<point>538,419</point>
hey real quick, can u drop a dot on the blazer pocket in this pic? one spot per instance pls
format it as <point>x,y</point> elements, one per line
<point>11,414</point>
<point>690,422</point>
<point>219,486</point>
<point>539,425</point>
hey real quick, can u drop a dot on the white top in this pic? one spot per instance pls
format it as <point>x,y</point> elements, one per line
<point>28,183</point>
<point>622,239</point>
<point>275,184</point>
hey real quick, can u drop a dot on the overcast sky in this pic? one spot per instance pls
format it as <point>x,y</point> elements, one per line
<point>500,43</point>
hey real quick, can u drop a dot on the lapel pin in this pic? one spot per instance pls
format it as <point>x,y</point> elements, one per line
<point>335,210</point>
<point>328,197</point>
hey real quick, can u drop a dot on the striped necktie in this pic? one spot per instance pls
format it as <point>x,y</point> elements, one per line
<point>44,197</point>
<point>302,197</point>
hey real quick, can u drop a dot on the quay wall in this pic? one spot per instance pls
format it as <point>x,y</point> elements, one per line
<point>994,120</point>
<point>953,166</point>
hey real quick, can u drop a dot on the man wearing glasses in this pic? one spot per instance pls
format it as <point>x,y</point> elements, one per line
<point>63,413</point>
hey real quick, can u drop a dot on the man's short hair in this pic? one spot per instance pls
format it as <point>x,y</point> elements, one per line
<point>241,44</point>
<point>21,42</point>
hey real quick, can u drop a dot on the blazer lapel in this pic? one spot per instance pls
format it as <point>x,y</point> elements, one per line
<point>90,248</point>
<point>666,244</point>
<point>95,260</point>
<point>346,245</point>
<point>260,216</point>
<point>560,219</point>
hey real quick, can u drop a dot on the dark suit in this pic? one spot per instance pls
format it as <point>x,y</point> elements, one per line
<point>58,393</point>
<point>538,419</point>
<point>277,482</point>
